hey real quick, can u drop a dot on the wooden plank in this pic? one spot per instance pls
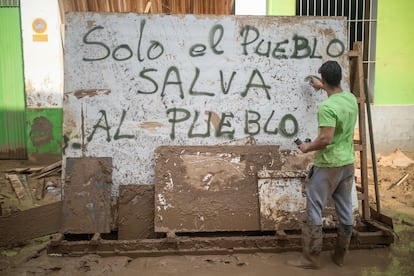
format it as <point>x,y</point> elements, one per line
<point>136,212</point>
<point>358,147</point>
<point>40,189</point>
<point>56,239</point>
<point>158,6</point>
<point>29,224</point>
<point>212,245</point>
<point>55,171</point>
<point>47,170</point>
<point>87,195</point>
<point>356,79</point>
<point>210,188</point>
<point>140,6</point>
<point>27,170</point>
<point>148,7</point>
<point>96,239</point>
<point>105,6</point>
<point>17,186</point>
<point>380,218</point>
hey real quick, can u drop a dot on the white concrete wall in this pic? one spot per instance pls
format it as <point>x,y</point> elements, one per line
<point>43,60</point>
<point>122,102</point>
<point>249,7</point>
<point>393,127</point>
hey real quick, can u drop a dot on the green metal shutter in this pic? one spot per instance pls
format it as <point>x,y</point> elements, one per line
<point>12,96</point>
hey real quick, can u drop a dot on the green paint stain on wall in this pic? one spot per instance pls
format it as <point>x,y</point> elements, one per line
<point>44,128</point>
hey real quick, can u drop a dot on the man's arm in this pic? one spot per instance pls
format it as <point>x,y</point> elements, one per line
<point>324,139</point>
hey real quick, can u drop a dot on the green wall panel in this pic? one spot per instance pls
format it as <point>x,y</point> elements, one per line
<point>281,7</point>
<point>44,127</point>
<point>394,83</point>
<point>12,96</point>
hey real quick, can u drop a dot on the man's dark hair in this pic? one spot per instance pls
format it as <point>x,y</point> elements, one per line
<point>331,73</point>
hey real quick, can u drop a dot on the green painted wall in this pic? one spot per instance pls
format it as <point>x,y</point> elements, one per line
<point>281,7</point>
<point>12,97</point>
<point>44,132</point>
<point>394,82</point>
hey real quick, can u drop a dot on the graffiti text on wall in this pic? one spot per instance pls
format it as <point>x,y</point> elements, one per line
<point>254,123</point>
<point>251,42</point>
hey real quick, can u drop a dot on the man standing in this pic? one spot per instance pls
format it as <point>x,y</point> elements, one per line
<point>333,170</point>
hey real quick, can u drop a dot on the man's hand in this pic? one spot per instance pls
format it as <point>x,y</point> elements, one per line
<point>304,147</point>
<point>324,139</point>
<point>316,83</point>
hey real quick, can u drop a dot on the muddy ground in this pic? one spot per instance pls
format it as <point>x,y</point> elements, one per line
<point>397,201</point>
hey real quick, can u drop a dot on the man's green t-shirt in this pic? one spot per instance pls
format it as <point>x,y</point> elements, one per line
<point>339,111</point>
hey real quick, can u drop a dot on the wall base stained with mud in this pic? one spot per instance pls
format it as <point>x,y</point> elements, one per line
<point>44,130</point>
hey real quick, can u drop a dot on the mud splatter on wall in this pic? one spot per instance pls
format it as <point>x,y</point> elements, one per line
<point>44,132</point>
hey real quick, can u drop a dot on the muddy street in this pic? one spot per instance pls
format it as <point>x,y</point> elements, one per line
<point>397,201</point>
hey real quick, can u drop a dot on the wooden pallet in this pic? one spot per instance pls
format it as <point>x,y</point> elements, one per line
<point>368,235</point>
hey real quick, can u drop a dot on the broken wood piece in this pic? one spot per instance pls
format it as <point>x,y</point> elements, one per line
<point>29,224</point>
<point>28,189</point>
<point>136,212</point>
<point>148,7</point>
<point>48,173</point>
<point>40,188</point>
<point>53,168</point>
<point>32,255</point>
<point>407,223</point>
<point>281,234</point>
<point>402,180</point>
<point>219,245</point>
<point>17,185</point>
<point>56,239</point>
<point>27,170</point>
<point>215,175</point>
<point>87,188</point>
<point>96,239</point>
<point>398,183</point>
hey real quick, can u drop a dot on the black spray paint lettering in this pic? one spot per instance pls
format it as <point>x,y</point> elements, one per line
<point>123,52</point>
<point>287,126</point>
<point>102,123</point>
<point>303,49</point>
<point>251,43</point>
<point>177,81</point>
<point>180,115</point>
<point>173,79</point>
<point>198,50</point>
<point>282,127</point>
<point>74,145</point>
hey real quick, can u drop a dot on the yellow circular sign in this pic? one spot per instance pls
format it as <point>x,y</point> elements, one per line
<point>39,25</point>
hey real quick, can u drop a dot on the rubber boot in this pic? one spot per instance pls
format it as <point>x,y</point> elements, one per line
<point>312,247</point>
<point>342,244</point>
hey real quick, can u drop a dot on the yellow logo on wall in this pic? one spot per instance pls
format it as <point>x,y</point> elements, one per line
<point>39,26</point>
